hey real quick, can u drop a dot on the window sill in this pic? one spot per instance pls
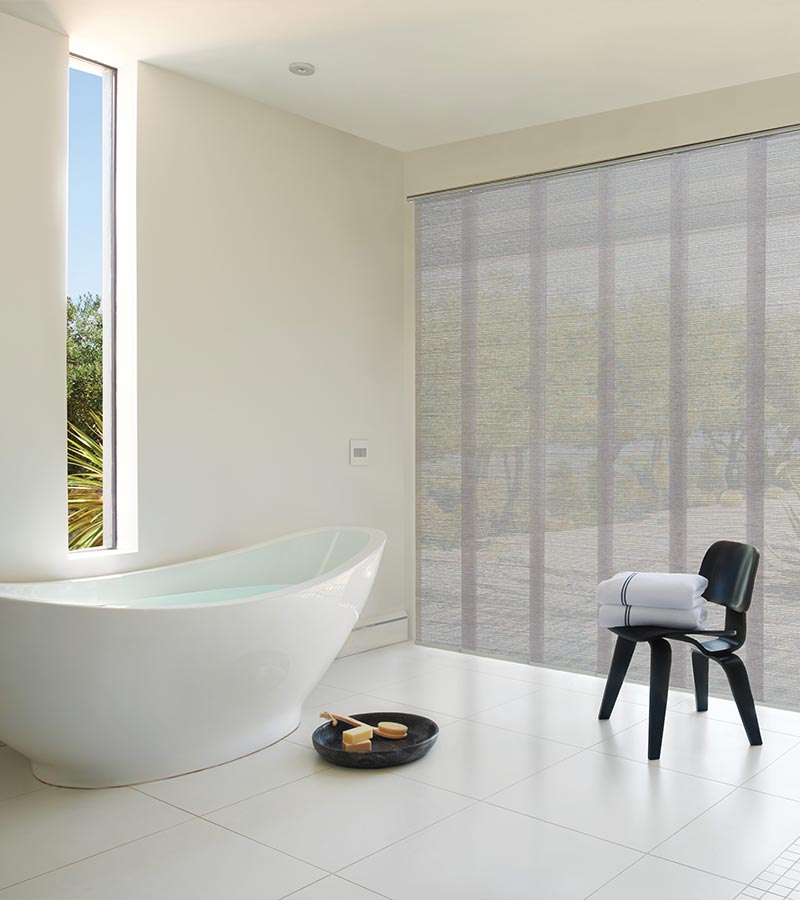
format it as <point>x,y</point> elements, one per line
<point>99,553</point>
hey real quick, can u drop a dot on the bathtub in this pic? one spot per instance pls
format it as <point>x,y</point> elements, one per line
<point>129,678</point>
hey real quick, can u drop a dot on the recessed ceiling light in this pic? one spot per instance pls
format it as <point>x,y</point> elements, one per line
<point>301,68</point>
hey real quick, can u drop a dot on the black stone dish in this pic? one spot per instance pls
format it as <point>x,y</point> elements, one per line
<point>422,734</point>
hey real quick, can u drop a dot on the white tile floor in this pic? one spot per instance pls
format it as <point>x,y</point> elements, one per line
<point>526,795</point>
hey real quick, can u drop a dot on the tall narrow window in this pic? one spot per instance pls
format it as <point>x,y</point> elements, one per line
<point>91,479</point>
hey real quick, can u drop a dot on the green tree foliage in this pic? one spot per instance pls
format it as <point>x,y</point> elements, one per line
<point>84,361</point>
<point>85,421</point>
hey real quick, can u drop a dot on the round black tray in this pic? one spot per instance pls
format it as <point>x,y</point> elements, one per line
<point>422,734</point>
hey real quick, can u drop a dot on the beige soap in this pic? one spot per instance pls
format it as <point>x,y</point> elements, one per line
<point>362,747</point>
<point>357,735</point>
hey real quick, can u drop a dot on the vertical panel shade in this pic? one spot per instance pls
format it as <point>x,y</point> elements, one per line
<point>608,378</point>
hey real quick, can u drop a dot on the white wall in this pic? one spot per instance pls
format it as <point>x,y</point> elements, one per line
<point>33,123</point>
<point>270,328</point>
<point>756,106</point>
<point>269,318</point>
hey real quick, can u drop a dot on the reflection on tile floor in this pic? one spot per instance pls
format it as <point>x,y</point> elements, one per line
<point>524,781</point>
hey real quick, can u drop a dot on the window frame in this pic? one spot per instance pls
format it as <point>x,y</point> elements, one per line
<point>108,75</point>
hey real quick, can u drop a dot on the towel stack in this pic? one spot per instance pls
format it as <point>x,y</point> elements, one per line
<point>663,599</point>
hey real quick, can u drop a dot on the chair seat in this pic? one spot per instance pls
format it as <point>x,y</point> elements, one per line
<point>641,632</point>
<point>722,643</point>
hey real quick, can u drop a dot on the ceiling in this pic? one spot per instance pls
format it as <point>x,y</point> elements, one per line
<point>425,72</point>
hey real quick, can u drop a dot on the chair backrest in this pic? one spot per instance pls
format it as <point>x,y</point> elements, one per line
<point>731,569</point>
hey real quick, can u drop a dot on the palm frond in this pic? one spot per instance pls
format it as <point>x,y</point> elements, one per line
<point>85,484</point>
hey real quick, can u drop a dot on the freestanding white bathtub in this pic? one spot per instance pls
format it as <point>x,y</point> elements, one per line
<point>129,678</point>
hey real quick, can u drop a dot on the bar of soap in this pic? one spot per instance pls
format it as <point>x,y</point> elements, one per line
<point>362,747</point>
<point>357,735</point>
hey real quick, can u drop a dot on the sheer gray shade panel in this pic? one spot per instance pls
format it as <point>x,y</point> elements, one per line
<point>608,378</point>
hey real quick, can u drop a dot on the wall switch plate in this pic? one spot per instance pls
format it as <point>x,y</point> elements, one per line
<point>359,452</point>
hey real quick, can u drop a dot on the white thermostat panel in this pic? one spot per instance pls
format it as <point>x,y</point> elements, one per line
<point>359,452</point>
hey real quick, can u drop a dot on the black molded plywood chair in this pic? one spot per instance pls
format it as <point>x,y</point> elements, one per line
<point>731,569</point>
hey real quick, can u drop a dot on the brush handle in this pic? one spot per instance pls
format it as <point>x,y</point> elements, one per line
<point>338,718</point>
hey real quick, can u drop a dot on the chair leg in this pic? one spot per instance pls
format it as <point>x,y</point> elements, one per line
<point>623,652</point>
<point>700,671</point>
<point>740,688</point>
<point>660,665</point>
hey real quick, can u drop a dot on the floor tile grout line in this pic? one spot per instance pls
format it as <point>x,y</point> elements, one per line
<point>383,684</point>
<point>655,765</point>
<point>254,840</point>
<point>692,713</point>
<point>342,868</point>
<point>546,768</point>
<point>730,793</point>
<point>743,787</point>
<point>405,837</point>
<point>543,688</point>
<point>777,759</point>
<point>705,777</point>
<point>292,893</point>
<point>714,718</point>
<point>327,769</point>
<point>557,762</point>
<point>753,790</point>
<point>652,850</point>
<point>511,732</point>
<point>333,768</point>
<point>34,790</point>
<point>356,884</point>
<point>433,712</point>
<point>605,840</point>
<point>648,855</point>
<point>208,812</point>
<point>422,709</point>
<point>98,853</point>
<point>696,868</point>
<point>331,875</point>
<point>615,733</point>
<point>648,765</point>
<point>434,787</point>
<point>442,712</point>
<point>552,740</point>
<point>614,877</point>
<point>564,687</point>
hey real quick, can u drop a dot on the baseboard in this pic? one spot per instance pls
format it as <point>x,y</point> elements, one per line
<point>378,631</point>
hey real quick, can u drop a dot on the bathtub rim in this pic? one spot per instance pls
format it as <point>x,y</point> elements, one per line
<point>376,540</point>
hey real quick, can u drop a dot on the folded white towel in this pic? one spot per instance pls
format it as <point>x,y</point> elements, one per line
<point>665,590</point>
<point>676,619</point>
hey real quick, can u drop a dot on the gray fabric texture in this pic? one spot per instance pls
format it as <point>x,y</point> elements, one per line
<point>608,378</point>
